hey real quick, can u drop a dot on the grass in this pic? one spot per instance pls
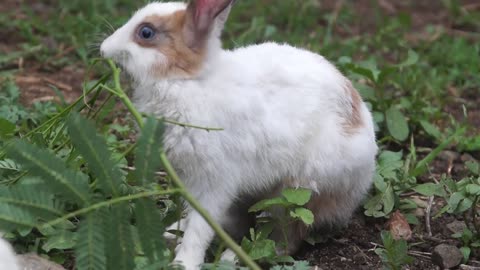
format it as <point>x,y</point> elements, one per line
<point>420,80</point>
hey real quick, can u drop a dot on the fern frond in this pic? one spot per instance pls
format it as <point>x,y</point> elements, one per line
<point>94,149</point>
<point>90,248</point>
<point>150,230</point>
<point>9,165</point>
<point>119,245</point>
<point>70,184</point>
<point>31,198</point>
<point>148,149</point>
<point>12,217</point>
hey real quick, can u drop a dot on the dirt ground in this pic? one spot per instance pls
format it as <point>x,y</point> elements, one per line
<point>348,248</point>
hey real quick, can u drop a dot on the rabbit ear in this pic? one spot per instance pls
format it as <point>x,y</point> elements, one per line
<point>202,17</point>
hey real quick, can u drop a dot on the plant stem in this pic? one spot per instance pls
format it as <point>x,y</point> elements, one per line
<point>111,202</point>
<point>185,125</point>
<point>176,179</point>
<point>476,225</point>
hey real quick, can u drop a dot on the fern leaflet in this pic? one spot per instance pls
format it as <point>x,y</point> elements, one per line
<point>119,248</point>
<point>40,162</point>
<point>151,229</point>
<point>13,218</point>
<point>9,165</point>
<point>31,198</point>
<point>94,149</point>
<point>90,248</point>
<point>148,151</point>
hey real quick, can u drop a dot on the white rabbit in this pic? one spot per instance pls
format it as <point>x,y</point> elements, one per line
<point>289,119</point>
<point>8,259</point>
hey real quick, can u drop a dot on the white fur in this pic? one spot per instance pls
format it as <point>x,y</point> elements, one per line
<point>283,114</point>
<point>8,260</point>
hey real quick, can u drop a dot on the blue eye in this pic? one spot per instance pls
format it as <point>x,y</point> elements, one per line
<point>146,32</point>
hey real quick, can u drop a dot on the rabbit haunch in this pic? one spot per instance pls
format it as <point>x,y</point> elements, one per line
<point>289,119</point>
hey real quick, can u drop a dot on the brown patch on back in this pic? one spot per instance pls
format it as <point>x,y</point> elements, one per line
<point>182,61</point>
<point>353,119</point>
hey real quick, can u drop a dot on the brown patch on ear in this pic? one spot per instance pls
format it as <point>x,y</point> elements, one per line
<point>182,61</point>
<point>353,120</point>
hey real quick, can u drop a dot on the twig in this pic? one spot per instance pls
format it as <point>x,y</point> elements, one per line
<point>433,239</point>
<point>424,255</point>
<point>156,173</point>
<point>427,215</point>
<point>185,125</point>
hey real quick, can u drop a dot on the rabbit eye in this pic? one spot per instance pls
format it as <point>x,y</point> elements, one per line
<point>146,32</point>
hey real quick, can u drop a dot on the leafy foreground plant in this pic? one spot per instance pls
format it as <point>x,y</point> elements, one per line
<point>120,226</point>
<point>394,253</point>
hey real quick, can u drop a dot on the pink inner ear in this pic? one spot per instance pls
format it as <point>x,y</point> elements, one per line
<point>208,7</point>
<point>203,5</point>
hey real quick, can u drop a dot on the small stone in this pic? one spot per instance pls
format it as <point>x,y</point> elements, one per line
<point>446,256</point>
<point>399,227</point>
<point>35,262</point>
<point>449,155</point>
<point>456,226</point>
<point>467,157</point>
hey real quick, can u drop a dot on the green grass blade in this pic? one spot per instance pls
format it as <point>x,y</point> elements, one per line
<point>150,230</point>
<point>148,151</point>
<point>70,184</point>
<point>90,248</point>
<point>93,148</point>
<point>422,164</point>
<point>119,245</point>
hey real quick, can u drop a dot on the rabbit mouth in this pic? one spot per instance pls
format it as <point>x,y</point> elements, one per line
<point>122,58</point>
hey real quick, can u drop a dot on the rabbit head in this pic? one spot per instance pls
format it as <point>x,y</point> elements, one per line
<point>168,40</point>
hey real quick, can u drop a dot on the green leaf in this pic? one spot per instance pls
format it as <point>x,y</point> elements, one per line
<point>473,189</point>
<point>119,248</point>
<point>90,248</point>
<point>9,165</point>
<point>150,230</point>
<point>94,149</point>
<point>147,152</point>
<point>422,164</point>
<point>466,251</point>
<point>72,185</point>
<point>303,214</point>
<point>379,183</point>
<point>430,189</point>
<point>12,217</point>
<point>454,200</point>
<point>63,240</point>
<point>397,124</point>
<point>411,60</point>
<point>7,128</point>
<point>388,200</point>
<point>431,130</point>
<point>262,249</point>
<point>267,203</point>
<point>32,198</point>
<point>298,196</point>
<point>472,166</point>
